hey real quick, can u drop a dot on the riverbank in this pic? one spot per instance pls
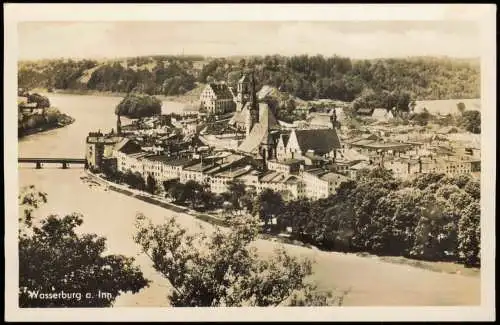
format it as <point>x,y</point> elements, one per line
<point>110,214</point>
<point>156,200</point>
<point>188,98</point>
<point>441,267</point>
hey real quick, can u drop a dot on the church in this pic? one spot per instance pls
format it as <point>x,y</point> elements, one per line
<point>264,138</point>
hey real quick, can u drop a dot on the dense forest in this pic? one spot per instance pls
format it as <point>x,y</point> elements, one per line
<point>305,77</point>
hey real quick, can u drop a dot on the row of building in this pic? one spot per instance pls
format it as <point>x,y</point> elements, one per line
<point>293,178</point>
<point>250,145</point>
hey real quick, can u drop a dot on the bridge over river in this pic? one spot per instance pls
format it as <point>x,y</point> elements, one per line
<point>65,162</point>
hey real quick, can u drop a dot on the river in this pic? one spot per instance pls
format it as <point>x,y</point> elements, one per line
<point>107,213</point>
<point>92,113</point>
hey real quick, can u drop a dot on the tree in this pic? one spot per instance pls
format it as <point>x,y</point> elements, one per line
<point>136,106</point>
<point>461,107</point>
<point>422,181</point>
<point>421,119</point>
<point>306,77</point>
<point>176,191</point>
<point>471,121</point>
<point>41,101</point>
<point>192,192</point>
<point>209,199</point>
<point>151,185</point>
<point>56,260</point>
<point>247,200</point>
<point>221,269</point>
<point>135,180</point>
<point>469,235</point>
<point>296,214</point>
<point>473,188</point>
<point>236,190</point>
<point>268,204</point>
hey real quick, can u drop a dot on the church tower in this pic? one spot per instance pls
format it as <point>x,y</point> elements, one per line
<point>118,125</point>
<point>253,108</point>
<point>243,90</point>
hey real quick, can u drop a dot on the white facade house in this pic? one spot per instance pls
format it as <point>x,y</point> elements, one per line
<point>217,99</point>
<point>320,184</point>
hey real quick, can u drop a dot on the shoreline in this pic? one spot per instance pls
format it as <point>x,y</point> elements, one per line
<point>44,128</point>
<point>180,98</point>
<point>439,267</point>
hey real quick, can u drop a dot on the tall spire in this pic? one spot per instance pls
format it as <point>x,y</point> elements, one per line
<point>254,106</point>
<point>253,97</point>
<point>118,125</point>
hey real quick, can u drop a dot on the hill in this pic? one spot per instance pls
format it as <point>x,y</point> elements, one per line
<point>304,77</point>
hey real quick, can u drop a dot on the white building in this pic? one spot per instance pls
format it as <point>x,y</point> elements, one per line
<point>217,99</point>
<point>320,183</point>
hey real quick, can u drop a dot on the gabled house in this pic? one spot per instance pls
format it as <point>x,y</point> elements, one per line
<point>313,143</point>
<point>217,99</point>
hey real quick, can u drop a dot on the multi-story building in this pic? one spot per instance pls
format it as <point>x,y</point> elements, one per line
<point>217,99</point>
<point>219,180</point>
<point>320,183</point>
<point>447,165</point>
<point>197,172</point>
<point>285,166</point>
<point>288,185</point>
<point>403,168</point>
<point>124,152</point>
<point>99,147</point>
<point>165,167</point>
<point>133,163</point>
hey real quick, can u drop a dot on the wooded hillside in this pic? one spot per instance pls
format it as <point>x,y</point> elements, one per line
<point>306,77</point>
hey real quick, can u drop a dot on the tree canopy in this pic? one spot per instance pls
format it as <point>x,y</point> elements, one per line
<point>60,267</point>
<point>471,121</point>
<point>303,76</point>
<point>431,217</point>
<point>136,106</point>
<point>41,101</point>
<point>221,269</point>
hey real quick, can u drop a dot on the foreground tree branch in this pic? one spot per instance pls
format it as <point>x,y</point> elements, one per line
<point>221,269</point>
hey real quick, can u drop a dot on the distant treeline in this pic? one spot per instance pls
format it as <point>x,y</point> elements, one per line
<point>306,77</point>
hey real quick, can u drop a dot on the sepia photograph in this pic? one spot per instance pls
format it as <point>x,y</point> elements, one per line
<point>242,160</point>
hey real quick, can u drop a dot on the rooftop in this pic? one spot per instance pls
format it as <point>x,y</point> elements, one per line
<point>221,91</point>
<point>330,176</point>
<point>259,133</point>
<point>316,171</point>
<point>287,161</point>
<point>200,167</point>
<point>234,173</point>
<point>104,139</point>
<point>320,140</point>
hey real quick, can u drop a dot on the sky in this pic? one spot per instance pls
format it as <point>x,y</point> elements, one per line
<point>354,39</point>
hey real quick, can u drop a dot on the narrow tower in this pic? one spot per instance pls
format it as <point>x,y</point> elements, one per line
<point>118,125</point>
<point>254,106</point>
<point>243,90</point>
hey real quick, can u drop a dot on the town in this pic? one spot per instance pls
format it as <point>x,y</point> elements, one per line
<point>235,136</point>
<point>250,164</point>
